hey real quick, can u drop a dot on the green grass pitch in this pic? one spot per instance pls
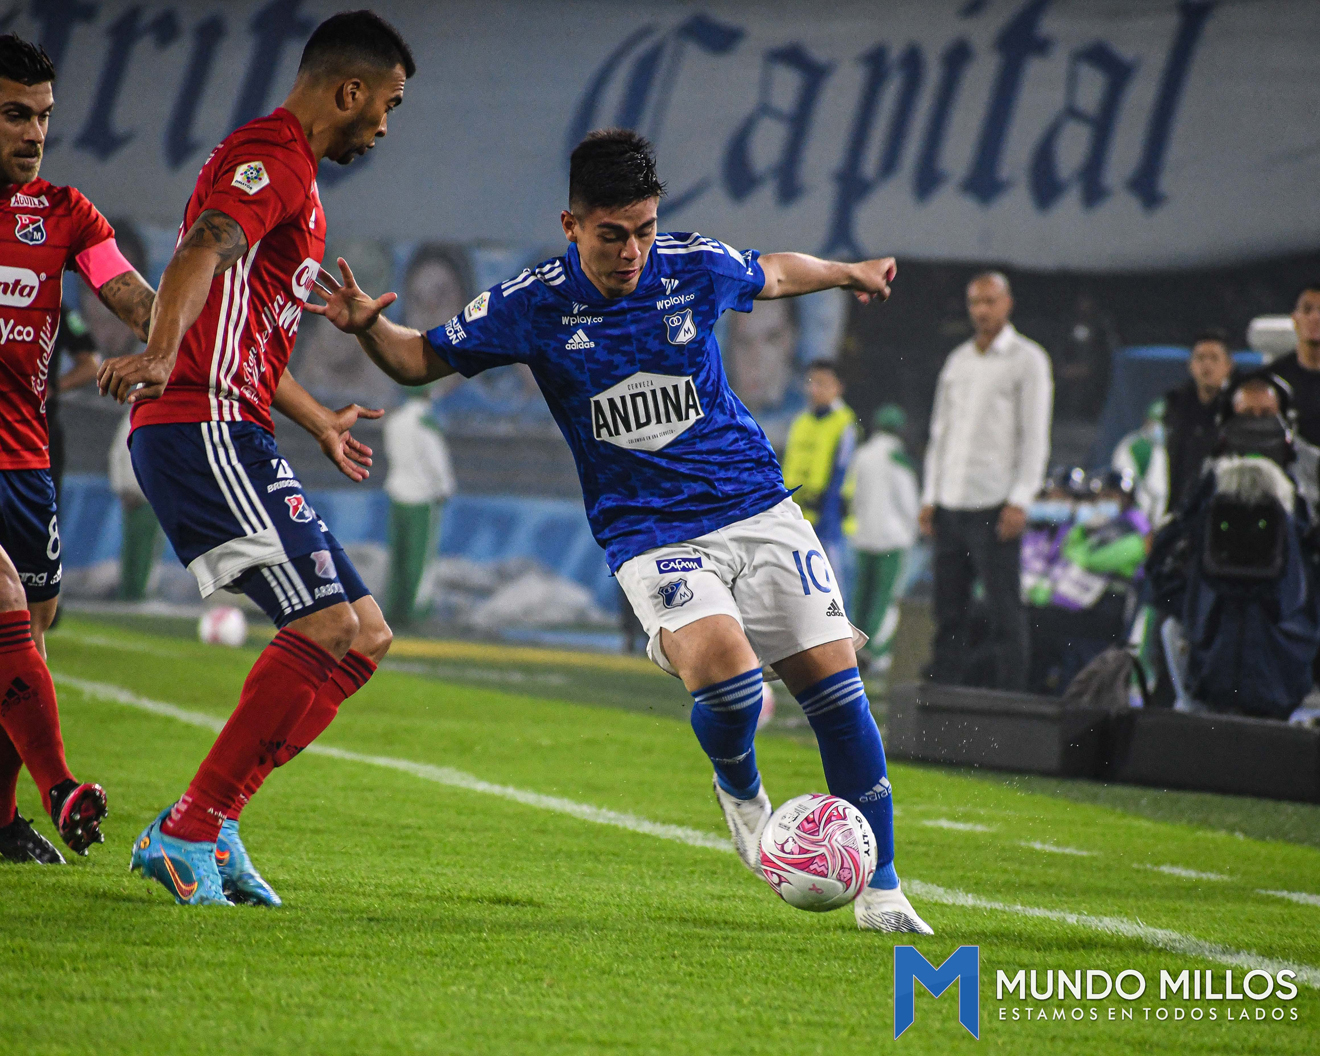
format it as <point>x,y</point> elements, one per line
<point>422,916</point>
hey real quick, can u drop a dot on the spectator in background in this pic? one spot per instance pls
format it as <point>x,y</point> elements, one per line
<point>820,445</point>
<point>75,340</point>
<point>985,462</point>
<point>1191,412</point>
<point>1142,454</point>
<point>881,487</point>
<point>421,475</point>
<point>1301,370</point>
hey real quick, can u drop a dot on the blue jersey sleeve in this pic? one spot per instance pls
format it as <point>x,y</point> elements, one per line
<point>494,330</point>
<point>737,275</point>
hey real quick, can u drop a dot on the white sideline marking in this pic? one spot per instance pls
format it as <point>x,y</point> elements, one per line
<point>956,826</point>
<point>1185,874</point>
<point>442,775</point>
<point>1300,897</point>
<point>1054,848</point>
<point>1161,938</point>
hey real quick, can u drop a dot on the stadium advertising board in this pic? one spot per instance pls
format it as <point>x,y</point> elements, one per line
<point>1038,132</point>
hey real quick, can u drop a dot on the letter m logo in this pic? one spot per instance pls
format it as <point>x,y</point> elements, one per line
<point>963,965</point>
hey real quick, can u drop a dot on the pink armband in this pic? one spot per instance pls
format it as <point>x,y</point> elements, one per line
<point>102,263</point>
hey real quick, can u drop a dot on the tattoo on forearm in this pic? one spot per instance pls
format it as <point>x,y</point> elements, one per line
<point>130,298</point>
<point>219,232</point>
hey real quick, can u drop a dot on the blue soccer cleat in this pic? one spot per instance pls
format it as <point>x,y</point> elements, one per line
<point>242,883</point>
<point>186,869</point>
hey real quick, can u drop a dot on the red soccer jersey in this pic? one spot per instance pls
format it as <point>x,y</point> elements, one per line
<point>43,230</point>
<point>264,177</point>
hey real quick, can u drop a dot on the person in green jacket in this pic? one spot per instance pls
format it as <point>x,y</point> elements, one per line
<point>820,445</point>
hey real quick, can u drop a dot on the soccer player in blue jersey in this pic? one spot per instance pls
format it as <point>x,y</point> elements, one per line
<point>681,485</point>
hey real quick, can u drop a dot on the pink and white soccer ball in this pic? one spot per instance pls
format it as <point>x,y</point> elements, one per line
<point>818,852</point>
<point>223,625</point>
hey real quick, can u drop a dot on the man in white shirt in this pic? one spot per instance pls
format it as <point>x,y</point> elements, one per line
<point>989,445</point>
<point>881,489</point>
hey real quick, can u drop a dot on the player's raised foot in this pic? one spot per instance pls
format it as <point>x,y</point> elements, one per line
<point>185,868</point>
<point>880,910</point>
<point>77,809</point>
<point>20,842</point>
<point>242,884</point>
<point>747,819</point>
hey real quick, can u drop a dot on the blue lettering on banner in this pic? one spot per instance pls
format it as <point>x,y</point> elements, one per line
<point>963,966</point>
<point>664,565</point>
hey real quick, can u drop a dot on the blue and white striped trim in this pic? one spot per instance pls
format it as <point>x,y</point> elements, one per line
<point>842,689</point>
<point>696,243</point>
<point>733,694</point>
<point>552,274</point>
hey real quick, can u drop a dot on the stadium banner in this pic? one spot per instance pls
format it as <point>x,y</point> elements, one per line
<point>1080,134</point>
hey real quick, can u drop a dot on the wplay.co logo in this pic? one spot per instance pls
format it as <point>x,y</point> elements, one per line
<point>963,965</point>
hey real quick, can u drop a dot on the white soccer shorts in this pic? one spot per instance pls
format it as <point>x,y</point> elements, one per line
<point>769,572</point>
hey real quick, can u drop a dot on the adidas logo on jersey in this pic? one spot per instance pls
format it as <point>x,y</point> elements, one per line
<point>579,341</point>
<point>834,609</point>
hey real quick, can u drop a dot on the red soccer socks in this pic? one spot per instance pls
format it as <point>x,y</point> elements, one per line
<point>278,692</point>
<point>350,676</point>
<point>28,712</point>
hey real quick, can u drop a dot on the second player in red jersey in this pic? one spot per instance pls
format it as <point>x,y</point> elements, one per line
<point>44,229</point>
<point>204,451</point>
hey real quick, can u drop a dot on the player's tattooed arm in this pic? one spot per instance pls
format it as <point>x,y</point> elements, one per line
<point>793,274</point>
<point>330,428</point>
<point>214,243</point>
<point>130,298</point>
<point>220,234</point>
<point>400,351</point>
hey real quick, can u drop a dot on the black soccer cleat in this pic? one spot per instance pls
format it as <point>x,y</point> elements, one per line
<point>20,842</point>
<point>77,810</point>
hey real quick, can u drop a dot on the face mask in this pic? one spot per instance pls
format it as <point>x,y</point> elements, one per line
<point>1050,511</point>
<point>1098,512</point>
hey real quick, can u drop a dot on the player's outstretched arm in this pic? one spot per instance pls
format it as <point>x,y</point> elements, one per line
<point>793,274</point>
<point>131,298</point>
<point>330,428</point>
<point>214,243</point>
<point>401,352</point>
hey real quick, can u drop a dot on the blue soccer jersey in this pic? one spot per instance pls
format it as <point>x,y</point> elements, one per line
<point>664,449</point>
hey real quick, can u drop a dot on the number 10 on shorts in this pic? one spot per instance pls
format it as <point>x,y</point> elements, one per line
<point>813,570</point>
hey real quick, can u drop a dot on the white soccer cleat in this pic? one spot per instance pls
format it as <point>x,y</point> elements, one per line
<point>747,819</point>
<point>878,910</point>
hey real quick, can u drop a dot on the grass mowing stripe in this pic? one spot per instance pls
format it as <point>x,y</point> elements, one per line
<point>1300,897</point>
<point>1161,938</point>
<point>442,775</point>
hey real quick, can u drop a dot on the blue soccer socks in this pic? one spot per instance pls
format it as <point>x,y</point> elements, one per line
<point>854,758</point>
<point>724,719</point>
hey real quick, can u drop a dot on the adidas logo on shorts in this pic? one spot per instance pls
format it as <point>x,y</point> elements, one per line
<point>834,609</point>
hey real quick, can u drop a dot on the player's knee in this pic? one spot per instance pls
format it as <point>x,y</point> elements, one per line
<point>374,639</point>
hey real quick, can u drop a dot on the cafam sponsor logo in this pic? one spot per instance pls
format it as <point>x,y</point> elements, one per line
<point>18,287</point>
<point>645,412</point>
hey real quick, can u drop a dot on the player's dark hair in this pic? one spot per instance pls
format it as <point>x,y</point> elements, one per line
<point>827,366</point>
<point>24,62</point>
<point>1311,287</point>
<point>610,168</point>
<point>352,39</point>
<point>1211,333</point>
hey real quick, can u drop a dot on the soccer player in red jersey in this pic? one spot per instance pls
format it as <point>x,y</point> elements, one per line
<point>43,230</point>
<point>204,449</point>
